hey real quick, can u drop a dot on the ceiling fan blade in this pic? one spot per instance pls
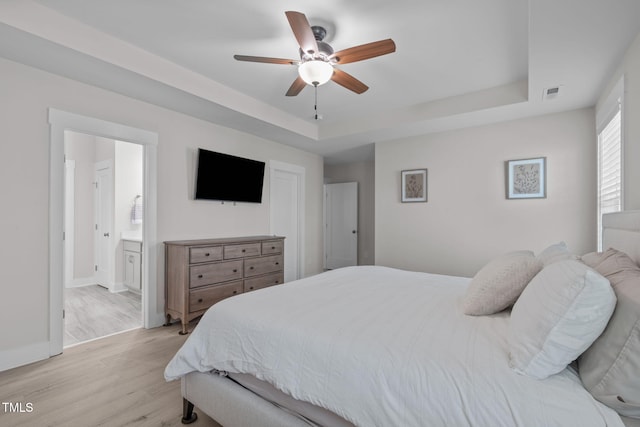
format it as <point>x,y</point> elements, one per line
<point>265,60</point>
<point>302,30</point>
<point>296,87</point>
<point>348,81</point>
<point>364,51</point>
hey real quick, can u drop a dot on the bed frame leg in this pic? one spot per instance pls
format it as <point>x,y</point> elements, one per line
<point>188,416</point>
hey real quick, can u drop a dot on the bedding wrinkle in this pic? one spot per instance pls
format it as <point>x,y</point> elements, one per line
<point>383,347</point>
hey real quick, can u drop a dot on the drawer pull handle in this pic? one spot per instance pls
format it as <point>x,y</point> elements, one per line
<point>207,254</point>
<point>277,263</point>
<point>235,270</point>
<point>273,247</point>
<point>251,268</point>
<point>199,299</point>
<point>235,292</point>
<point>251,288</point>
<point>244,250</point>
<point>277,281</point>
<point>199,276</point>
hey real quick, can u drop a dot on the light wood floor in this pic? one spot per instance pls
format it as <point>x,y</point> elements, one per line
<point>92,312</point>
<point>115,381</point>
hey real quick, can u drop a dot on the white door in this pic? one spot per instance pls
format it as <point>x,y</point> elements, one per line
<point>341,225</point>
<point>285,213</point>
<point>287,200</point>
<point>102,236</point>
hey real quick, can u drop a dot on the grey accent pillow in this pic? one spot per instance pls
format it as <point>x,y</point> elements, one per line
<point>610,368</point>
<point>499,283</point>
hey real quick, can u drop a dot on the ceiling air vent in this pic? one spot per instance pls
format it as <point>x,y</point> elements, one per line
<point>551,93</point>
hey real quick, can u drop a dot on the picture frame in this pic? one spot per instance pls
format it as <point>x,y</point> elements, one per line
<point>526,178</point>
<point>413,186</point>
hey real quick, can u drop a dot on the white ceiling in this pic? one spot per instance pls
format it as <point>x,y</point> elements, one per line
<point>458,62</point>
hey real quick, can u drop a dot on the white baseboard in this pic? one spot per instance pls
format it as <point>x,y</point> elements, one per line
<point>79,282</point>
<point>20,356</point>
<point>88,281</point>
<point>118,287</point>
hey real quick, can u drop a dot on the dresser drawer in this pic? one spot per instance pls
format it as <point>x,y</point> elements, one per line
<point>241,251</point>
<point>201,299</point>
<point>270,248</point>
<point>207,274</point>
<point>263,281</point>
<point>204,254</point>
<point>257,266</point>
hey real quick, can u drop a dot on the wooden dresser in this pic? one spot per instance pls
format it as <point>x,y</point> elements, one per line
<point>199,273</point>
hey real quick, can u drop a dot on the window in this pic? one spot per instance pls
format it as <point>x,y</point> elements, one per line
<point>610,160</point>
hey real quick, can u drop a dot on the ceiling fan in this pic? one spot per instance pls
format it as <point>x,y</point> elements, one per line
<point>317,63</point>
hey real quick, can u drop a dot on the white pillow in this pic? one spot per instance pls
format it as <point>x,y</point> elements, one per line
<point>554,253</point>
<point>558,316</point>
<point>499,283</point>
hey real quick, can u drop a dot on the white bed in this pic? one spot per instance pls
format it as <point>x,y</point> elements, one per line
<point>374,346</point>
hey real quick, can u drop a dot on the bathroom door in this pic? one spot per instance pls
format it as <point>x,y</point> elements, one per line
<point>341,225</point>
<point>103,213</point>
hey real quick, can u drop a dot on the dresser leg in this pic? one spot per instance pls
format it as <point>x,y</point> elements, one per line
<point>185,328</point>
<point>168,323</point>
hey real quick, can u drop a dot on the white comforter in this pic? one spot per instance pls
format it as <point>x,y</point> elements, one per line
<point>384,347</point>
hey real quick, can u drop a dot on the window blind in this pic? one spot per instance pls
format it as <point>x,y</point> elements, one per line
<point>609,169</point>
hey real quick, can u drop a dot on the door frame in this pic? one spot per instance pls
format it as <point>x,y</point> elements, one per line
<point>59,121</point>
<point>300,172</point>
<point>69,218</point>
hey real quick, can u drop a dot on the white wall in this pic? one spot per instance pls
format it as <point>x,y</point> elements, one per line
<point>27,93</point>
<point>630,68</point>
<point>128,184</point>
<point>467,219</point>
<point>364,174</point>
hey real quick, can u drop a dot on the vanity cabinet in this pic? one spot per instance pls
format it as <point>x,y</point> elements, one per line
<point>133,264</point>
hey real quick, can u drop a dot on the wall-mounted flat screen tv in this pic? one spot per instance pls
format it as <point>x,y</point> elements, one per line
<point>228,178</point>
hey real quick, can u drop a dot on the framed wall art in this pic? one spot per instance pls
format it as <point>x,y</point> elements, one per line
<point>414,186</point>
<point>526,178</point>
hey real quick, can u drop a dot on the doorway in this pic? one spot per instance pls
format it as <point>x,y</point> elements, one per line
<point>61,121</point>
<point>101,197</point>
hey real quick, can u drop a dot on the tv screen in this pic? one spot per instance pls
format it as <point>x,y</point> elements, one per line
<point>228,178</point>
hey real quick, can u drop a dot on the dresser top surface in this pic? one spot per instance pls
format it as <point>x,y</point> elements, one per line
<point>222,241</point>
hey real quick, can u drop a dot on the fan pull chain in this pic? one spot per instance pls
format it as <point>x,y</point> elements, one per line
<point>315,105</point>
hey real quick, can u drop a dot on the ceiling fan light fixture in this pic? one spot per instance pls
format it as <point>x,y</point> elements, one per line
<point>315,72</point>
<point>317,58</point>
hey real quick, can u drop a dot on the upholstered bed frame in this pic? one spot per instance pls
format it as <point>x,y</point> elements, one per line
<point>622,231</point>
<point>231,404</point>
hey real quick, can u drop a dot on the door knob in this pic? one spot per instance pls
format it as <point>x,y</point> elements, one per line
<point>106,234</point>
